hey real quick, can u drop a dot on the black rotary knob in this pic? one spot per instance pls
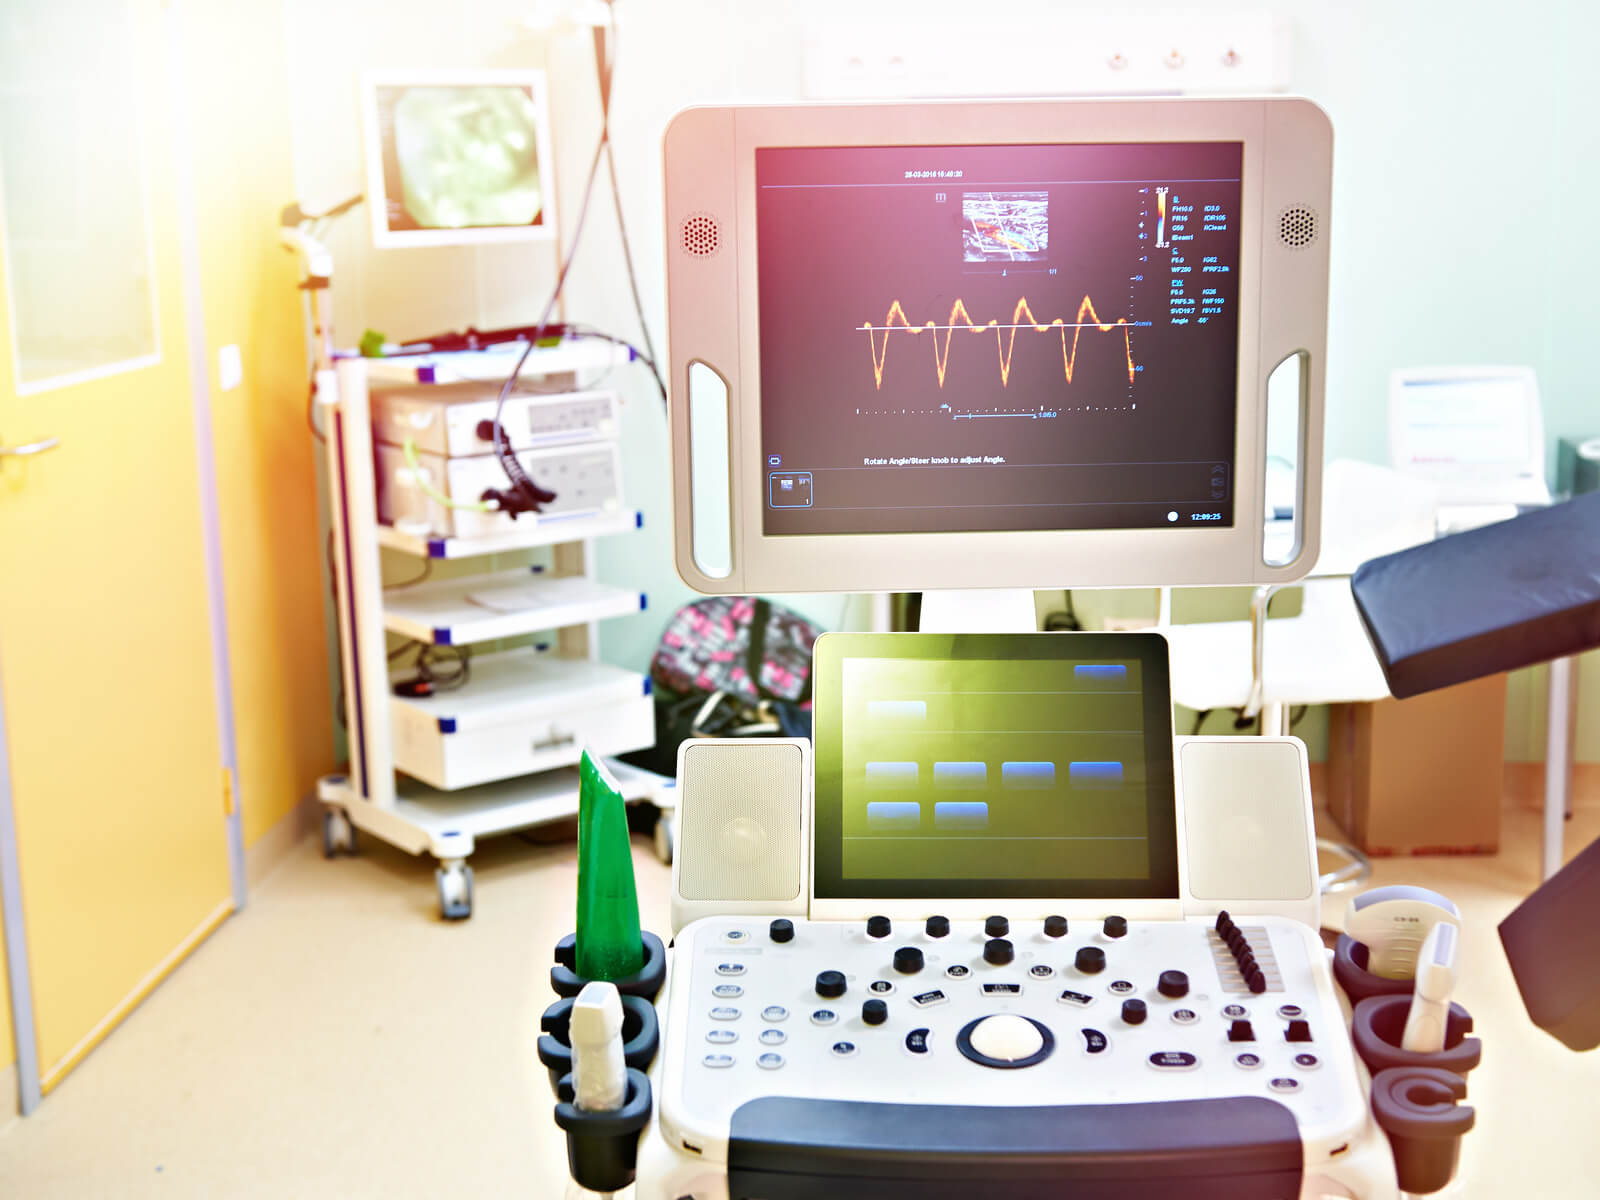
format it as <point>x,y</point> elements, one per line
<point>908,960</point>
<point>997,952</point>
<point>781,930</point>
<point>938,927</point>
<point>830,984</point>
<point>878,927</point>
<point>1133,1012</point>
<point>997,927</point>
<point>1115,927</point>
<point>874,1012</point>
<point>1055,926</point>
<point>1091,960</point>
<point>1174,985</point>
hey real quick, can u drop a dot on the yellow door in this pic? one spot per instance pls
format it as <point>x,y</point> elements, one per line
<point>106,681</point>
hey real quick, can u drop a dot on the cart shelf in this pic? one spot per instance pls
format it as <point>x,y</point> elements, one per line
<point>481,608</point>
<point>527,535</point>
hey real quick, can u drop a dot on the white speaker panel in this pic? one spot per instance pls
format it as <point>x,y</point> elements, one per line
<point>1247,841</point>
<point>744,826</point>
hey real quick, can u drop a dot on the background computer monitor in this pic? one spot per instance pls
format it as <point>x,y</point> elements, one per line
<point>458,158</point>
<point>940,345</point>
<point>1475,432</point>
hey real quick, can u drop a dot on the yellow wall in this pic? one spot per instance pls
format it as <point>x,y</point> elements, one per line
<point>266,476</point>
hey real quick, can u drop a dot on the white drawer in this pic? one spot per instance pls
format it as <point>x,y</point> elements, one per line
<point>521,712</point>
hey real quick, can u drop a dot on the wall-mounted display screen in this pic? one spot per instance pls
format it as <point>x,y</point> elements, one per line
<point>459,159</point>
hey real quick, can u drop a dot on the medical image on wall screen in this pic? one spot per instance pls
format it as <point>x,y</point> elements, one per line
<point>993,337</point>
<point>1035,765</point>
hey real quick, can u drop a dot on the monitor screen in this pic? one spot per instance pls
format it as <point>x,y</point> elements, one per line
<point>1000,337</point>
<point>1467,420</point>
<point>993,765</point>
<point>459,161</point>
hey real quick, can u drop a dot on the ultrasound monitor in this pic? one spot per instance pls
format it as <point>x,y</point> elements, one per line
<point>924,345</point>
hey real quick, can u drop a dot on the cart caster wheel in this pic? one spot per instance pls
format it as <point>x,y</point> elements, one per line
<point>454,881</point>
<point>663,837</point>
<point>338,834</point>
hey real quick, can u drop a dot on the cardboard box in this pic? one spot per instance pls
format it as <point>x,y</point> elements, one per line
<point>1420,776</point>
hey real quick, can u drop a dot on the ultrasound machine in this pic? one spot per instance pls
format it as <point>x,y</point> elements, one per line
<point>995,931</point>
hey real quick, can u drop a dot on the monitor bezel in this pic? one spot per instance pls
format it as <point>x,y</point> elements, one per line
<point>830,887</point>
<point>385,238</point>
<point>714,323</point>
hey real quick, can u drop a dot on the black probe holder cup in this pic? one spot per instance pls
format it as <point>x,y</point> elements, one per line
<point>1416,1107</point>
<point>641,1036</point>
<point>1379,1023</point>
<point>1350,969</point>
<point>603,1147</point>
<point>645,982</point>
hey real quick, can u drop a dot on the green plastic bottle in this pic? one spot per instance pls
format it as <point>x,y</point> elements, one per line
<point>609,946</point>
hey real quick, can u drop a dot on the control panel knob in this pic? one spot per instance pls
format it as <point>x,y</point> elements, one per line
<point>1174,985</point>
<point>830,984</point>
<point>1115,927</point>
<point>1091,960</point>
<point>1241,1031</point>
<point>1299,1031</point>
<point>781,930</point>
<point>997,952</point>
<point>878,927</point>
<point>1133,1012</point>
<point>908,960</point>
<point>938,927</point>
<point>1055,926</point>
<point>997,927</point>
<point>874,1012</point>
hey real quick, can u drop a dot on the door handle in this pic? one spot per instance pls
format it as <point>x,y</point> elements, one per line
<point>29,449</point>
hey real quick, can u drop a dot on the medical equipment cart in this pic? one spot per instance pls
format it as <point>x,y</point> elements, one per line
<point>500,752</point>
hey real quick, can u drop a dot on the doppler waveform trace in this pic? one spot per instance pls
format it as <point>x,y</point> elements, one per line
<point>1003,346</point>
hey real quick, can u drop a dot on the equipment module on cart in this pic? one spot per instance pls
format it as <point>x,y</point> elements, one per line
<point>1035,946</point>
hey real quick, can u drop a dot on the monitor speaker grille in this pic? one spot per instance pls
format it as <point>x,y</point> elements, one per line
<point>1298,226</point>
<point>700,237</point>
<point>739,822</point>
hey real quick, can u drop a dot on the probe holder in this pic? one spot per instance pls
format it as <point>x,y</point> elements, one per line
<point>1416,1107</point>
<point>641,1036</point>
<point>1380,1021</point>
<point>603,1147</point>
<point>1350,969</point>
<point>645,982</point>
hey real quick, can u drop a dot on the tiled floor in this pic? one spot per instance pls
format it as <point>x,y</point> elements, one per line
<point>338,1040</point>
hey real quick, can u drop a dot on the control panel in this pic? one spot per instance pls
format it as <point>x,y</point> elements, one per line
<point>1005,1012</point>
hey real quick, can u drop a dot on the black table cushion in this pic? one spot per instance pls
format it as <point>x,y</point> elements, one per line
<point>1492,599</point>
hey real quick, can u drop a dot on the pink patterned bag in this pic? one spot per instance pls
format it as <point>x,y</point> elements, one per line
<point>745,646</point>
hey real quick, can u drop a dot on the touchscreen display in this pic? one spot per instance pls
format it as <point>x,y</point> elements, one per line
<point>1034,765</point>
<point>975,338</point>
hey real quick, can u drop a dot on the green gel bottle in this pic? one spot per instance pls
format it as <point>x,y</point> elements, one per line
<point>608,942</point>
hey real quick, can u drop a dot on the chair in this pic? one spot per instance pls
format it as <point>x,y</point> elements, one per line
<point>1322,656</point>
